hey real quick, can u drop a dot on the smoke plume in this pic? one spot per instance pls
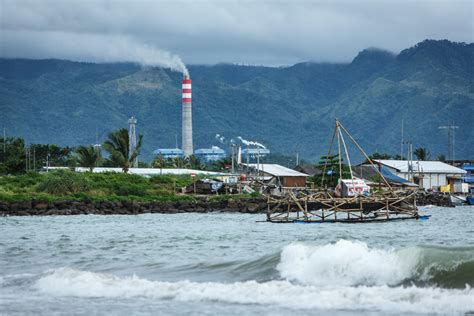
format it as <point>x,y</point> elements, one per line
<point>251,143</point>
<point>220,138</point>
<point>88,47</point>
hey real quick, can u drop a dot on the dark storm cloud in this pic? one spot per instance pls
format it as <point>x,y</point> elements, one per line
<point>254,32</point>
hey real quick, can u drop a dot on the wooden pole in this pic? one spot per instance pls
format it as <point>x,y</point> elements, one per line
<point>366,156</point>
<point>329,154</point>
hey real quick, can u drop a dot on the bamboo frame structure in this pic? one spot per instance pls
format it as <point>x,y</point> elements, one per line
<point>324,207</point>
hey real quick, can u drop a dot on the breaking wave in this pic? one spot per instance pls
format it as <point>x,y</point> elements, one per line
<point>344,275</point>
<point>70,282</point>
<point>351,263</point>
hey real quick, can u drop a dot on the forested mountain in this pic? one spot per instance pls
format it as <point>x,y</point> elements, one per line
<point>288,108</point>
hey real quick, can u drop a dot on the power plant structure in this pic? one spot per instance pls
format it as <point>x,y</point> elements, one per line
<point>187,127</point>
<point>132,139</point>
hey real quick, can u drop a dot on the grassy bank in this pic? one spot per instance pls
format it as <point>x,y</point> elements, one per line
<point>114,187</point>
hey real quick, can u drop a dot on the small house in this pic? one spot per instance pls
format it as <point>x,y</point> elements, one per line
<point>279,175</point>
<point>426,174</point>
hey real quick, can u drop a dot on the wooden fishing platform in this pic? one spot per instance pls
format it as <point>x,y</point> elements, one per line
<point>351,200</point>
<point>322,207</point>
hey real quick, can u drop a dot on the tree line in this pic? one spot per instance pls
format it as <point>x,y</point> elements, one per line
<point>17,157</point>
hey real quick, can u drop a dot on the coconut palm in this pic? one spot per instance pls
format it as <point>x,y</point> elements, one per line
<point>195,163</point>
<point>180,162</point>
<point>88,156</point>
<point>117,146</point>
<point>422,153</point>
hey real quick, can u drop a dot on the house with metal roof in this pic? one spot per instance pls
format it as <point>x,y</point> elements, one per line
<point>426,174</point>
<point>370,174</point>
<point>279,175</point>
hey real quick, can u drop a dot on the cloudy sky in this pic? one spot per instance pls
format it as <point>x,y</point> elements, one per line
<point>208,32</point>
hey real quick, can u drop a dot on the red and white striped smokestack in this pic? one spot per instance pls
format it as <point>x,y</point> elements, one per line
<point>187,89</point>
<point>187,127</point>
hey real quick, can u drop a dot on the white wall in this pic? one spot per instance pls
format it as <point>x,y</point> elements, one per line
<point>429,181</point>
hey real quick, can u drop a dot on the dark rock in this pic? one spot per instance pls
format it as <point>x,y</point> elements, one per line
<point>42,206</point>
<point>253,207</point>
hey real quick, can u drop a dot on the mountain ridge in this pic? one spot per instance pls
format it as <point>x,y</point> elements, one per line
<point>287,108</point>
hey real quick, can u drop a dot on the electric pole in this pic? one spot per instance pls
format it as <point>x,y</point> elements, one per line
<point>451,141</point>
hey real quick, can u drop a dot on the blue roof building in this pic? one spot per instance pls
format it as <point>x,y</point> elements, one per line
<point>169,153</point>
<point>210,154</point>
<point>253,153</point>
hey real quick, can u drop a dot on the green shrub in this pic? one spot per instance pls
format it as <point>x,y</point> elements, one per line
<point>127,189</point>
<point>170,180</point>
<point>64,182</point>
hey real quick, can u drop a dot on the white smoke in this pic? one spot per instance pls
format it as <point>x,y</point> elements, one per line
<point>220,138</point>
<point>251,143</point>
<point>87,47</point>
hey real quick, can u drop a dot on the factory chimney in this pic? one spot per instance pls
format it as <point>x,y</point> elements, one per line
<point>187,129</point>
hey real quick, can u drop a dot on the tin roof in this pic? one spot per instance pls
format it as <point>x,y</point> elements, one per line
<point>154,171</point>
<point>277,170</point>
<point>422,166</point>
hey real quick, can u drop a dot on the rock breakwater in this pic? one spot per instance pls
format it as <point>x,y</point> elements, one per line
<point>83,207</point>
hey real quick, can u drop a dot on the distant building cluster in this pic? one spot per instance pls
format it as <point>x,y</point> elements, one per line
<point>213,154</point>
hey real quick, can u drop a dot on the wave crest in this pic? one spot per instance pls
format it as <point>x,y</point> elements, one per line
<point>351,263</point>
<point>70,282</point>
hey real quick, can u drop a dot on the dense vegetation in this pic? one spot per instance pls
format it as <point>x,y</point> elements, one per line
<point>67,185</point>
<point>289,109</point>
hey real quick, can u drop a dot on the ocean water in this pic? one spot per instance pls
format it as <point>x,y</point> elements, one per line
<point>228,264</point>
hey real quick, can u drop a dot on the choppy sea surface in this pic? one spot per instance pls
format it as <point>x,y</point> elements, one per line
<point>228,264</point>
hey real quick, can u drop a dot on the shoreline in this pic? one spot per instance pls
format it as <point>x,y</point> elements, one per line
<point>85,207</point>
<point>201,204</point>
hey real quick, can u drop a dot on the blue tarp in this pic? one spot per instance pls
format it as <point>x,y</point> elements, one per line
<point>391,177</point>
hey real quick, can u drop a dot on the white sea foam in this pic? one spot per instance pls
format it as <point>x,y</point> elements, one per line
<point>69,282</point>
<point>346,263</point>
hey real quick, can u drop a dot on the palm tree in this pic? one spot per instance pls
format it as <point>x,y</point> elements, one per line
<point>88,156</point>
<point>160,162</point>
<point>195,163</point>
<point>422,153</point>
<point>180,162</point>
<point>117,146</point>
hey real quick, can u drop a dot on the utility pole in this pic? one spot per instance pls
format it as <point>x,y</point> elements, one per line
<point>233,154</point>
<point>97,148</point>
<point>410,159</point>
<point>4,141</point>
<point>258,163</point>
<point>451,131</point>
<point>401,143</point>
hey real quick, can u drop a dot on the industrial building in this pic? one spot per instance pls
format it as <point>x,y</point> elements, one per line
<point>253,153</point>
<point>210,154</point>
<point>279,175</point>
<point>426,174</point>
<point>169,153</point>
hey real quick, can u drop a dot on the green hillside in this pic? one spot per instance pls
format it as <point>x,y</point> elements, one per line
<point>288,109</point>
